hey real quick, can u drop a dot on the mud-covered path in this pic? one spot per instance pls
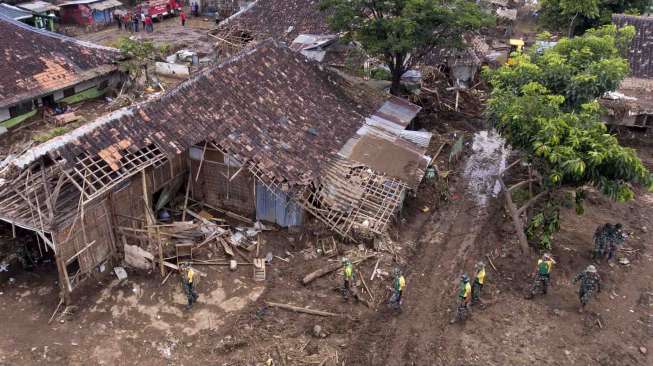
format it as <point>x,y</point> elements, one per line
<point>446,248</point>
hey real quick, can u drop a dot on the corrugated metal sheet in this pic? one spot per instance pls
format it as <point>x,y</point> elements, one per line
<point>275,207</point>
<point>389,124</point>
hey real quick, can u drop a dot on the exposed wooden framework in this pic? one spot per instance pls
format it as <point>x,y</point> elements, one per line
<point>353,200</point>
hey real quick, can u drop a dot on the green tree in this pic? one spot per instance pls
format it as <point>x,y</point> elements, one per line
<point>586,8</point>
<point>138,54</point>
<point>402,32</point>
<point>545,105</point>
<point>580,15</point>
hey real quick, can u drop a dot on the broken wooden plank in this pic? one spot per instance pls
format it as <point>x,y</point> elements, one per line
<point>328,269</point>
<point>228,213</point>
<point>375,268</point>
<point>365,286</point>
<point>226,247</point>
<point>300,310</point>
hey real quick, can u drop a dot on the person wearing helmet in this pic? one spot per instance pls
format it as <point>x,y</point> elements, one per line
<point>590,281</point>
<point>398,286</point>
<point>348,277</point>
<point>464,299</point>
<point>479,280</point>
<point>542,275</point>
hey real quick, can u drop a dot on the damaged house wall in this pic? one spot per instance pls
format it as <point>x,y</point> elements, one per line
<point>632,103</point>
<point>640,53</point>
<point>221,182</point>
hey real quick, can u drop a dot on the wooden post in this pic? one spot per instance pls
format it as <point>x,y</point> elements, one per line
<point>158,236</point>
<point>199,166</point>
<point>183,212</point>
<point>64,282</point>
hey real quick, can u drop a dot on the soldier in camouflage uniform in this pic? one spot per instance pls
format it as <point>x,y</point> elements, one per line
<point>616,238</point>
<point>601,238</point>
<point>589,282</point>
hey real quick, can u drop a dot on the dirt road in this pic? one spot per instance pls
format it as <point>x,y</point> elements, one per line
<point>615,331</point>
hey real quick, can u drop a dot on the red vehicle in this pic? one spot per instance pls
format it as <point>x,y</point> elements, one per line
<point>158,8</point>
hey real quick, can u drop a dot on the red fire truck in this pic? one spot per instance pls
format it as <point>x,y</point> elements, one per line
<point>158,8</point>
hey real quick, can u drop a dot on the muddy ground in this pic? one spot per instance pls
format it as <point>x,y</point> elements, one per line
<point>167,32</point>
<point>140,321</point>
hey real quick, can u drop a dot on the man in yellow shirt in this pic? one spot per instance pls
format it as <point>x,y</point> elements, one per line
<point>188,281</point>
<point>542,275</point>
<point>398,286</point>
<point>479,281</point>
<point>348,277</point>
<point>464,309</point>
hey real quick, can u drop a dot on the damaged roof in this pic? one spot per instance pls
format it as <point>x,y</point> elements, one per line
<point>282,20</point>
<point>36,62</point>
<point>640,53</point>
<point>268,106</point>
<point>384,144</point>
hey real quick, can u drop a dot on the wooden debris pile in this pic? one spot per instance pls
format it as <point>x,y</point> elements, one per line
<point>203,240</point>
<point>438,94</point>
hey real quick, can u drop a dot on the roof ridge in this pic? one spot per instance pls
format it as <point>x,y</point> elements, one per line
<point>58,36</point>
<point>38,151</point>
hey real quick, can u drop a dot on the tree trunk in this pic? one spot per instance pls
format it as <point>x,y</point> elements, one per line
<point>395,88</point>
<point>514,214</point>
<point>571,25</point>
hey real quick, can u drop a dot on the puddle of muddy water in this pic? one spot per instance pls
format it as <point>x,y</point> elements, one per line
<point>489,155</point>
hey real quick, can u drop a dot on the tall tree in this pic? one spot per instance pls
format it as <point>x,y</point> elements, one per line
<point>545,105</point>
<point>576,16</point>
<point>402,32</point>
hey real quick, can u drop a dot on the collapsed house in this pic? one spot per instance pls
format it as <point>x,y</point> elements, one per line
<point>44,68</point>
<point>266,133</point>
<point>632,103</point>
<point>283,20</point>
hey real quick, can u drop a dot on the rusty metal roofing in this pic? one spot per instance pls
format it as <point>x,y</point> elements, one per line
<point>35,62</point>
<point>640,53</point>
<point>281,19</point>
<point>384,144</point>
<point>268,105</point>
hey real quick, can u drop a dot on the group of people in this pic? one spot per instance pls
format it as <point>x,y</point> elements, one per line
<point>131,22</point>
<point>607,239</point>
<point>398,284</point>
<point>469,293</point>
<point>590,281</point>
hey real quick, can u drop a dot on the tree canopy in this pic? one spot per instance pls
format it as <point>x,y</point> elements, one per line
<point>402,32</point>
<point>580,15</point>
<point>545,105</point>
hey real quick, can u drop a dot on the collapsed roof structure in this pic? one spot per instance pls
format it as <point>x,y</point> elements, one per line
<point>267,124</point>
<point>283,20</point>
<point>45,67</point>
<point>632,104</point>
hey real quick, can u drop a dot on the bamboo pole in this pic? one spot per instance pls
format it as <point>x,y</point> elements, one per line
<point>300,310</point>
